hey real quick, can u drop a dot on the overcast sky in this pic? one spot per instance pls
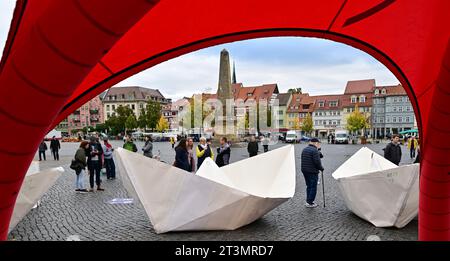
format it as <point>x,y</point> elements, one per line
<point>317,66</point>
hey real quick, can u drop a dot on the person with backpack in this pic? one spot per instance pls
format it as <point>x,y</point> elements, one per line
<point>223,153</point>
<point>129,145</point>
<point>203,151</point>
<point>80,166</point>
<point>55,146</point>
<point>108,159</point>
<point>42,149</point>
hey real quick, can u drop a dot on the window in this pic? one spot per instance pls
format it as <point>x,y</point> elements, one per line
<point>107,107</point>
<point>383,91</point>
<point>321,104</point>
<point>249,94</point>
<point>400,119</point>
<point>114,107</point>
<point>305,107</point>
<point>353,99</point>
<point>333,104</point>
<point>394,109</point>
<point>133,107</point>
<point>388,119</point>
<point>362,98</point>
<point>407,118</point>
<point>296,107</point>
<point>316,122</point>
<point>108,114</point>
<point>377,91</point>
<point>394,119</point>
<point>280,112</point>
<point>382,120</point>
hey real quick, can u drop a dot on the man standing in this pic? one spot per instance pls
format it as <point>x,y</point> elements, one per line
<point>223,153</point>
<point>252,147</point>
<point>55,146</point>
<point>94,153</point>
<point>311,166</point>
<point>42,149</point>
<point>393,151</point>
<point>412,146</point>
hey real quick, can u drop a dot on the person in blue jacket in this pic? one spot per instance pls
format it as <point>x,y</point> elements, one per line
<point>311,166</point>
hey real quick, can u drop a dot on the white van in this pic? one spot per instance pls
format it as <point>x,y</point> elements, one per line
<point>342,137</point>
<point>293,136</point>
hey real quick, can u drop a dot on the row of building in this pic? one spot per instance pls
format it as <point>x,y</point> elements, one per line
<point>387,108</point>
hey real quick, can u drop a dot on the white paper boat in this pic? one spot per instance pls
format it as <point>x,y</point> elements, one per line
<point>379,191</point>
<point>213,199</point>
<point>34,186</point>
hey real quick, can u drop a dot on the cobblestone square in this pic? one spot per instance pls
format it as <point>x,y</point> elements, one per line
<point>67,215</point>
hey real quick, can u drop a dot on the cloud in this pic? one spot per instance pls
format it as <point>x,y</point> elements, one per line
<point>318,66</point>
<point>6,13</point>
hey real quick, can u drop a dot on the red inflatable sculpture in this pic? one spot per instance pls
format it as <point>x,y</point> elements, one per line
<point>60,54</point>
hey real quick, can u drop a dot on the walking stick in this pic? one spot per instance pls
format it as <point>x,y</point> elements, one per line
<point>323,189</point>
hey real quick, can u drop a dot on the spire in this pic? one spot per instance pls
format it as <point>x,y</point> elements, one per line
<point>234,74</point>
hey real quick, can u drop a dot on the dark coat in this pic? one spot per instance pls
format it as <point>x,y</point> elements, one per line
<point>55,145</point>
<point>42,146</point>
<point>311,162</point>
<point>252,148</point>
<point>89,153</point>
<point>206,154</point>
<point>393,153</point>
<point>182,159</point>
<point>223,156</point>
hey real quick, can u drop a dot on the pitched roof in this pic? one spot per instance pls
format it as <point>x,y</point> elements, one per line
<point>391,90</point>
<point>283,99</point>
<point>139,93</point>
<point>301,102</point>
<point>326,99</point>
<point>262,92</point>
<point>360,86</point>
<point>347,101</point>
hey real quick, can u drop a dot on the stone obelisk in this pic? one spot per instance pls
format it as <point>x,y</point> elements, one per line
<point>224,93</point>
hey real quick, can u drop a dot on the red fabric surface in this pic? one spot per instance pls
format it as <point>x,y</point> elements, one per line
<point>60,54</point>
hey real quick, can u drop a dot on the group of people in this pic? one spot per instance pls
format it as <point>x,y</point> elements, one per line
<point>55,146</point>
<point>189,158</point>
<point>93,156</point>
<point>253,147</point>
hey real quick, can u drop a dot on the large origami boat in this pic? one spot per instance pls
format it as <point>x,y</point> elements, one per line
<point>213,199</point>
<point>35,185</point>
<point>379,191</point>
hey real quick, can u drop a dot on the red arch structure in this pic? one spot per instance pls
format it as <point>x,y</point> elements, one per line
<point>60,54</point>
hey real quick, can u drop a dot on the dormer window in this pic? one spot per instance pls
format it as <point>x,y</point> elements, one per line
<point>362,98</point>
<point>377,91</point>
<point>333,104</point>
<point>321,104</point>
<point>249,94</point>
<point>383,91</point>
<point>354,99</point>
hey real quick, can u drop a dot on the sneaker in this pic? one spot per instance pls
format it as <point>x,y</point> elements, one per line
<point>77,189</point>
<point>100,189</point>
<point>313,205</point>
<point>83,190</point>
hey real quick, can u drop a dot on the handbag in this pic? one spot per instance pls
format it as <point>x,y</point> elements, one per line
<point>74,165</point>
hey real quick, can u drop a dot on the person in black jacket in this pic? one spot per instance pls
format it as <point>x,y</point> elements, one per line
<point>55,146</point>
<point>311,166</point>
<point>223,153</point>
<point>182,156</point>
<point>42,149</point>
<point>252,147</point>
<point>94,163</point>
<point>393,151</point>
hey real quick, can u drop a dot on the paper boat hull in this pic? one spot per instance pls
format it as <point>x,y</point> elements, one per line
<point>385,198</point>
<point>176,200</point>
<point>34,186</point>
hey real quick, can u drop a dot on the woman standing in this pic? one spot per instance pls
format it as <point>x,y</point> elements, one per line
<point>148,147</point>
<point>80,158</point>
<point>190,148</point>
<point>109,161</point>
<point>182,156</point>
<point>203,151</point>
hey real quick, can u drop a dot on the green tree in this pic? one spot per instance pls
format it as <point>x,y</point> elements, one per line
<point>162,125</point>
<point>356,121</point>
<point>295,90</point>
<point>142,120</point>
<point>131,122</point>
<point>153,113</point>
<point>307,125</point>
<point>116,123</point>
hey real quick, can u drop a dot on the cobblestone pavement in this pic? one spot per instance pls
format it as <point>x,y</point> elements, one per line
<point>65,214</point>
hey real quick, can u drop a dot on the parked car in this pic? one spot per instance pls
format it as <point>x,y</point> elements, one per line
<point>342,137</point>
<point>293,137</point>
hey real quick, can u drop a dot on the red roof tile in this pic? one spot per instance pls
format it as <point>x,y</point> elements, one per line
<point>391,90</point>
<point>360,86</point>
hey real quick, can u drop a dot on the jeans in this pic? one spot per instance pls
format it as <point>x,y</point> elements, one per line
<point>80,180</point>
<point>311,186</point>
<point>94,169</point>
<point>55,154</point>
<point>110,168</point>
<point>42,153</point>
<point>412,153</point>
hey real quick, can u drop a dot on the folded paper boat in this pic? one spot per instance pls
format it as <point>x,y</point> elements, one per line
<point>35,185</point>
<point>212,199</point>
<point>379,191</point>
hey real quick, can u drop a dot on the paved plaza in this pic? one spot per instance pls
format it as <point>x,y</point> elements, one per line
<point>65,214</point>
